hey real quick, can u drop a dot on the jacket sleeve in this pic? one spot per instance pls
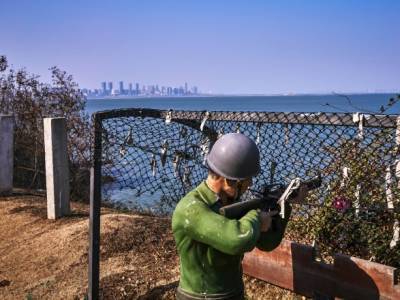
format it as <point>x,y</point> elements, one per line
<point>233,237</point>
<point>271,239</point>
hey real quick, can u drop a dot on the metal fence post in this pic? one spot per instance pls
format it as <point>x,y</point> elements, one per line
<point>94,221</point>
<point>6,153</point>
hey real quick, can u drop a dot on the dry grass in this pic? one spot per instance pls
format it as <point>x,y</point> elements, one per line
<point>44,259</point>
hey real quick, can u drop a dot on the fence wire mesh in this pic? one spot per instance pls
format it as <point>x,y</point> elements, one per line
<point>151,158</point>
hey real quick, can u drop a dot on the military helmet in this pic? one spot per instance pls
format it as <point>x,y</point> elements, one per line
<point>234,156</point>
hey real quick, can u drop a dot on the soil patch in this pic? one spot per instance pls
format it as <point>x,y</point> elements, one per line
<point>47,259</point>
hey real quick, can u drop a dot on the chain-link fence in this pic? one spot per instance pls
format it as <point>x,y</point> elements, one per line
<point>151,158</point>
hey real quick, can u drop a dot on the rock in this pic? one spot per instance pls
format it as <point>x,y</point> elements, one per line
<point>4,282</point>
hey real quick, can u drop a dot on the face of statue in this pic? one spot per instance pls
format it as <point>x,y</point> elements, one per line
<point>235,188</point>
<point>228,190</point>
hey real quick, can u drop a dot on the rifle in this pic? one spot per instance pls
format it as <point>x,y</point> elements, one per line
<point>272,197</point>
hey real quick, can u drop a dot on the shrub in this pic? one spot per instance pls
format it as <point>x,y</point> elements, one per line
<point>353,217</point>
<point>29,100</point>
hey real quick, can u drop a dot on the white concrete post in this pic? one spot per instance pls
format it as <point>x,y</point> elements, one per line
<point>6,153</point>
<point>396,224</point>
<point>57,171</point>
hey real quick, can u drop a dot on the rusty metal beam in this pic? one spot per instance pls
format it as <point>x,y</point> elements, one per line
<point>292,266</point>
<point>336,119</point>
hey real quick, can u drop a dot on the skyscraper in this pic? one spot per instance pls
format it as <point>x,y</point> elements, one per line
<point>121,87</point>
<point>130,89</point>
<point>169,91</point>
<point>104,87</point>
<point>137,89</point>
<point>110,87</point>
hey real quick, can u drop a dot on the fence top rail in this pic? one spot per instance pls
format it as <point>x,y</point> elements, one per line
<point>318,118</point>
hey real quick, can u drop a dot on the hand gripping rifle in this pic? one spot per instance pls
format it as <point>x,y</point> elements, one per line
<point>272,197</point>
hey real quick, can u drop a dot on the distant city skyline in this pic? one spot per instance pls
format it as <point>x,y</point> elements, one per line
<point>136,89</point>
<point>225,47</point>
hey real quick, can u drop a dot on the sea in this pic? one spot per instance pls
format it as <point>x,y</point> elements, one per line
<point>365,103</point>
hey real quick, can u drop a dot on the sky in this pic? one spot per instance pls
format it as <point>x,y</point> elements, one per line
<point>229,47</point>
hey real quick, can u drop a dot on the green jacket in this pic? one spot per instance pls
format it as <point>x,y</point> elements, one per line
<point>211,247</point>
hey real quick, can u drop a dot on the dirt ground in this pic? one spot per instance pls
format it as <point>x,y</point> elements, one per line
<point>45,259</point>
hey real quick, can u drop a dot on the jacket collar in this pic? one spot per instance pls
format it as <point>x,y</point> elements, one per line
<point>207,194</point>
